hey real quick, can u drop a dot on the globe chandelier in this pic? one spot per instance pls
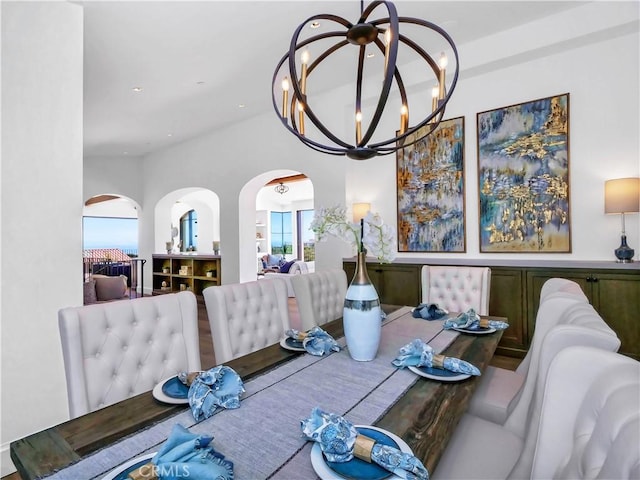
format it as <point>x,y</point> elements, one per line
<point>281,188</point>
<point>294,90</point>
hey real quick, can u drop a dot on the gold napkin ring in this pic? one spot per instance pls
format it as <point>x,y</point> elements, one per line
<point>191,377</point>
<point>484,323</point>
<point>145,472</point>
<point>438,361</point>
<point>363,447</point>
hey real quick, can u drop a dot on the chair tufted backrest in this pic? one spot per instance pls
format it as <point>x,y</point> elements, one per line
<point>457,289</point>
<point>245,317</point>
<point>556,296</point>
<point>320,296</point>
<point>590,421</point>
<point>580,326</point>
<point>115,350</point>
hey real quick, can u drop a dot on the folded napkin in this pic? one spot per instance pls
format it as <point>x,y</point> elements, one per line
<point>316,341</point>
<point>185,455</point>
<point>429,311</point>
<point>419,354</point>
<point>340,442</point>
<point>472,321</point>
<point>219,387</point>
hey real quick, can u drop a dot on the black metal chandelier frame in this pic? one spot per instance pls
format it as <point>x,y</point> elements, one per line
<point>362,33</point>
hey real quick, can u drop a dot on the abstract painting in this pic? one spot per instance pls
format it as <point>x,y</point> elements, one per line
<point>430,184</point>
<point>523,174</point>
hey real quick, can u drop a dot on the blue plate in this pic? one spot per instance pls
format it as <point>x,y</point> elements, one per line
<point>359,469</point>
<point>122,472</point>
<point>439,374</point>
<point>475,329</point>
<point>174,388</point>
<point>289,343</point>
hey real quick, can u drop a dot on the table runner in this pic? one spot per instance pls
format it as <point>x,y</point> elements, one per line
<point>263,437</point>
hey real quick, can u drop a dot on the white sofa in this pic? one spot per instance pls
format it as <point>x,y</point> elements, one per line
<point>298,268</point>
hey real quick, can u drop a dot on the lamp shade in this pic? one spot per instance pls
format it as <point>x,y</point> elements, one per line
<point>622,195</point>
<point>360,210</point>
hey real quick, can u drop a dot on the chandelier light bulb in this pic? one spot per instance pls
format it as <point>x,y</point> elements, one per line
<point>387,34</point>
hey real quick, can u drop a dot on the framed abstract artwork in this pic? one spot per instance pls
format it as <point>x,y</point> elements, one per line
<point>523,175</point>
<point>430,185</point>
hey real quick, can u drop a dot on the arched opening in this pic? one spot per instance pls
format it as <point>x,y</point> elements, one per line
<point>110,240</point>
<point>282,219</point>
<point>187,220</point>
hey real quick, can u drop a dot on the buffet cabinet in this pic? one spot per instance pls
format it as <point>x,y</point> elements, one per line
<point>174,273</point>
<point>515,293</point>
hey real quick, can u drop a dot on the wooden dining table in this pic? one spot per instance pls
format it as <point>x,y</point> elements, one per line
<point>425,416</point>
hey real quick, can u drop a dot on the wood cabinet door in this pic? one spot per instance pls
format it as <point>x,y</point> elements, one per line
<point>506,299</point>
<point>616,297</point>
<point>395,284</point>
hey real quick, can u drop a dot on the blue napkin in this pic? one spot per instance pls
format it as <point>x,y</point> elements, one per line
<point>429,311</point>
<point>337,439</point>
<point>419,354</point>
<point>219,387</point>
<point>470,320</point>
<point>187,455</point>
<point>316,341</point>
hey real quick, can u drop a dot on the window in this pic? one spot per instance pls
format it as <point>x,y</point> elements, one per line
<point>281,235</point>
<point>306,237</point>
<point>110,232</point>
<point>188,231</point>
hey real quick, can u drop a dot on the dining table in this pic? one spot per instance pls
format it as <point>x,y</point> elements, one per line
<point>263,437</point>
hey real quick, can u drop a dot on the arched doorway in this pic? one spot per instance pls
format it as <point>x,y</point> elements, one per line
<point>277,219</point>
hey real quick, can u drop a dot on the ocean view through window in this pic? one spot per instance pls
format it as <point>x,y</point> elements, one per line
<point>110,232</point>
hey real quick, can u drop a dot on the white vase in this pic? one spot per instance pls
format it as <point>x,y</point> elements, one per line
<point>362,319</point>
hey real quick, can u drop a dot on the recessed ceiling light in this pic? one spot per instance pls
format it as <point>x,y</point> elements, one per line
<point>169,134</point>
<point>241,105</point>
<point>315,24</point>
<point>137,89</point>
<point>125,153</point>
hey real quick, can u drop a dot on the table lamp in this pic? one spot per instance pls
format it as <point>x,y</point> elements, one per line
<point>360,210</point>
<point>622,195</point>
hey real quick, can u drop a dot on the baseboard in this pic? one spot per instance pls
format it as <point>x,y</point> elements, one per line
<point>5,461</point>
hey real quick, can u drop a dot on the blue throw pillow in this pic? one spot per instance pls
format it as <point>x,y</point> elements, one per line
<point>286,266</point>
<point>273,260</point>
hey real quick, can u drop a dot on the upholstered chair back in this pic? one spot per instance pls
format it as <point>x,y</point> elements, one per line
<point>556,296</point>
<point>320,296</point>
<point>245,317</point>
<point>590,422</point>
<point>499,389</point>
<point>457,289</point>
<point>573,438</point>
<point>561,286</point>
<point>115,350</point>
<point>581,326</point>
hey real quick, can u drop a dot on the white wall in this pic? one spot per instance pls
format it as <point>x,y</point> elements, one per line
<point>41,181</point>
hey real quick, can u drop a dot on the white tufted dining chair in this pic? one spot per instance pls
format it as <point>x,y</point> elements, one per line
<point>320,296</point>
<point>115,350</point>
<point>587,427</point>
<point>245,317</point>
<point>457,289</point>
<point>590,428</point>
<point>500,390</point>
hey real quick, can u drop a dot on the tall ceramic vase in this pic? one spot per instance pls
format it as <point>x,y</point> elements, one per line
<point>361,317</point>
